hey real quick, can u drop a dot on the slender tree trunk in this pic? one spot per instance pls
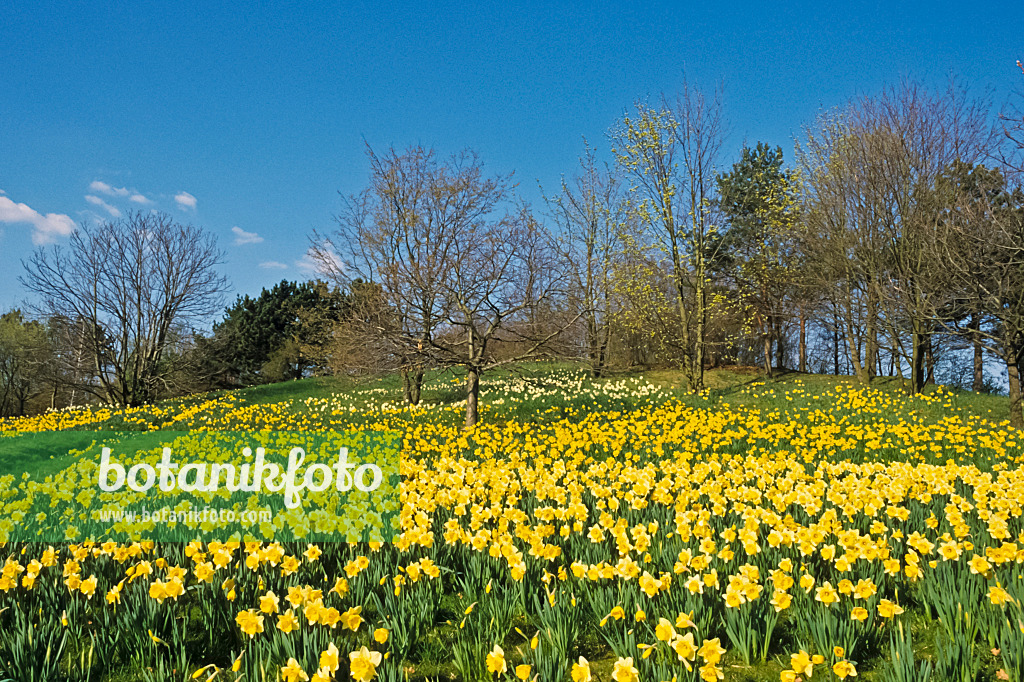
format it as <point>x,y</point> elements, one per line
<point>802,361</point>
<point>416,386</point>
<point>602,352</point>
<point>978,384</point>
<point>929,359</point>
<point>835,350</point>
<point>917,353</point>
<point>858,368</point>
<point>472,397</point>
<point>406,386</point>
<point>1013,374</point>
<point>698,351</point>
<point>766,340</point>
<point>871,334</point>
<point>780,347</point>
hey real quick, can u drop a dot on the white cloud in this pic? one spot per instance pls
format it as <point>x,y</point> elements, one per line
<point>243,237</point>
<point>96,201</point>
<point>273,265</point>
<point>104,188</point>
<point>314,265</point>
<point>185,200</point>
<point>45,228</point>
<point>134,196</point>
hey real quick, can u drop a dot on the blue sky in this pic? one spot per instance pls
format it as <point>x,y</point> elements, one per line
<point>249,118</point>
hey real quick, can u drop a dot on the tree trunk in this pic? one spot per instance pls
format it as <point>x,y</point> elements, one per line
<point>835,350</point>
<point>472,397</point>
<point>858,369</point>
<point>780,347</point>
<point>802,361</point>
<point>929,360</point>
<point>917,353</point>
<point>979,359</point>
<point>1013,373</point>
<point>406,386</point>
<point>416,386</point>
<point>698,352</point>
<point>871,334</point>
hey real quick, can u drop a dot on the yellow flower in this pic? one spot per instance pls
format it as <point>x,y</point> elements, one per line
<point>711,673</point>
<point>331,616</point>
<point>801,663</point>
<point>999,596</point>
<point>858,613</point>
<point>250,622</point>
<point>496,661</point>
<point>950,550</point>
<point>664,631</point>
<point>844,669</point>
<point>88,587</point>
<point>685,649</point>
<point>649,584</point>
<point>523,671</point>
<point>380,635</point>
<point>292,672</point>
<point>624,671</point>
<point>269,602</point>
<point>711,651</point>
<point>351,618</point>
<point>581,671</point>
<point>826,594</point>
<point>887,609</point>
<point>287,622</point>
<point>806,583</point>
<point>864,589</point>
<point>979,565</point>
<point>781,601</point>
<point>363,664</point>
<point>329,658</point>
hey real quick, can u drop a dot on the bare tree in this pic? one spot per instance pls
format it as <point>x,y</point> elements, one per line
<point>399,233</point>
<point>1012,124</point>
<point>868,173</point>
<point>131,284</point>
<point>590,212</point>
<point>458,274</point>
<point>979,242</point>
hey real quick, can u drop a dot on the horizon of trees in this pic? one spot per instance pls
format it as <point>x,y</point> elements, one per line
<point>891,244</point>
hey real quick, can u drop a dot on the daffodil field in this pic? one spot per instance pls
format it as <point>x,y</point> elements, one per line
<point>585,530</point>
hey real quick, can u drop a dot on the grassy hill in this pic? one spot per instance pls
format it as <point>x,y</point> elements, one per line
<point>805,453</point>
<point>23,450</point>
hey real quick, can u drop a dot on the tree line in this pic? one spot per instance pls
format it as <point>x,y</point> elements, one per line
<point>891,245</point>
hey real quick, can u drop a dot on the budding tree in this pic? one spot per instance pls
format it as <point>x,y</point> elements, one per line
<point>669,152</point>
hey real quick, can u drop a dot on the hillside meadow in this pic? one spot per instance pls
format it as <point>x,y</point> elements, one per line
<point>617,529</point>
